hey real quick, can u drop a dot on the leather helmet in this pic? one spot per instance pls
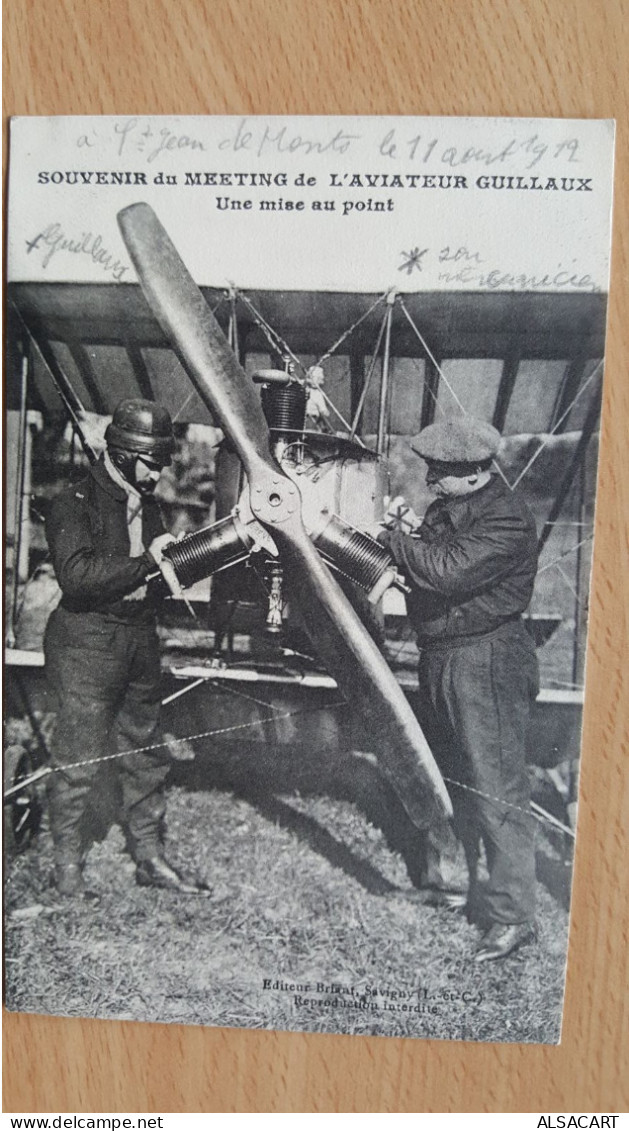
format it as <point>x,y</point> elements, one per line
<point>142,428</point>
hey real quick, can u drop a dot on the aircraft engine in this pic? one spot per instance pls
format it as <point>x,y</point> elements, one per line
<point>341,484</point>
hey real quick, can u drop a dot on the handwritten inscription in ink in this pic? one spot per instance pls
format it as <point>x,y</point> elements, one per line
<point>53,239</point>
<point>412,259</point>
<point>260,137</point>
<point>531,150</point>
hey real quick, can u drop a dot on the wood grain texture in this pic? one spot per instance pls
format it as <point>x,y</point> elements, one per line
<point>482,57</point>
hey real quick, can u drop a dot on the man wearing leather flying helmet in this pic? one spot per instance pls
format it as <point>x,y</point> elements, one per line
<point>471,565</point>
<point>106,536</point>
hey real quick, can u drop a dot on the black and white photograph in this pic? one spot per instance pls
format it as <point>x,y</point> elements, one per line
<point>301,435</point>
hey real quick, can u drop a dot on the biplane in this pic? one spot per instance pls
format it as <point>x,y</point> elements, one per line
<point>309,399</point>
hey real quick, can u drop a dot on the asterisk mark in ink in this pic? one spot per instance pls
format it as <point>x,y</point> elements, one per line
<point>412,259</point>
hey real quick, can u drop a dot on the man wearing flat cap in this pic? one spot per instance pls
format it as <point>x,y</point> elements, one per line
<point>471,566</point>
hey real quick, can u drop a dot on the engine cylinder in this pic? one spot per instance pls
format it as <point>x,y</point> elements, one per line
<point>284,406</point>
<point>357,556</point>
<point>201,554</point>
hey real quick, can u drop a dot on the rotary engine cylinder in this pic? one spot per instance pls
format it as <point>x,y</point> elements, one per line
<point>203,553</point>
<point>356,555</point>
<point>284,406</point>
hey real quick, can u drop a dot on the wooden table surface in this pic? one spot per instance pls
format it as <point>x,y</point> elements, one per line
<point>531,58</point>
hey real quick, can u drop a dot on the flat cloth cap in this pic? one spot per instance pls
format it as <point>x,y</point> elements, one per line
<point>462,440</point>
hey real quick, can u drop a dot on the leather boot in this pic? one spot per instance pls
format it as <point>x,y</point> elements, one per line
<point>69,878</point>
<point>502,939</point>
<point>69,881</point>
<point>156,872</point>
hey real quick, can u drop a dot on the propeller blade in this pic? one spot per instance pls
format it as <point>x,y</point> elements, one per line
<point>351,655</point>
<point>187,320</point>
<point>343,643</point>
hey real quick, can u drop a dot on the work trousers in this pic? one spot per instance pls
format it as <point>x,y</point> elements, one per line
<point>106,677</point>
<point>475,698</point>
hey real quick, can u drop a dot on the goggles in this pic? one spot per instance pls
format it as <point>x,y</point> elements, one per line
<point>440,469</point>
<point>152,464</point>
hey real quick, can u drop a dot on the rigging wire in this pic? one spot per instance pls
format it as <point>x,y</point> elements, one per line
<point>350,330</point>
<point>274,339</point>
<point>45,771</point>
<point>534,811</point>
<point>365,389</point>
<point>567,581</point>
<point>279,345</point>
<point>563,416</point>
<point>566,553</point>
<point>446,382</point>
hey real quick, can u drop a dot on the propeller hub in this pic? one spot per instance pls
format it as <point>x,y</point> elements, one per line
<point>274,499</point>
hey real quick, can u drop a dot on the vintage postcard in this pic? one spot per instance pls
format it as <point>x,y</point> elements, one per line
<point>302,423</point>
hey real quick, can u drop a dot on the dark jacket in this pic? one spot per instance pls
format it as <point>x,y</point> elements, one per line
<point>473,566</point>
<point>88,537</point>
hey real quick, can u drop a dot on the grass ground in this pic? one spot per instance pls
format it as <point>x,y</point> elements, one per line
<point>307,892</point>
